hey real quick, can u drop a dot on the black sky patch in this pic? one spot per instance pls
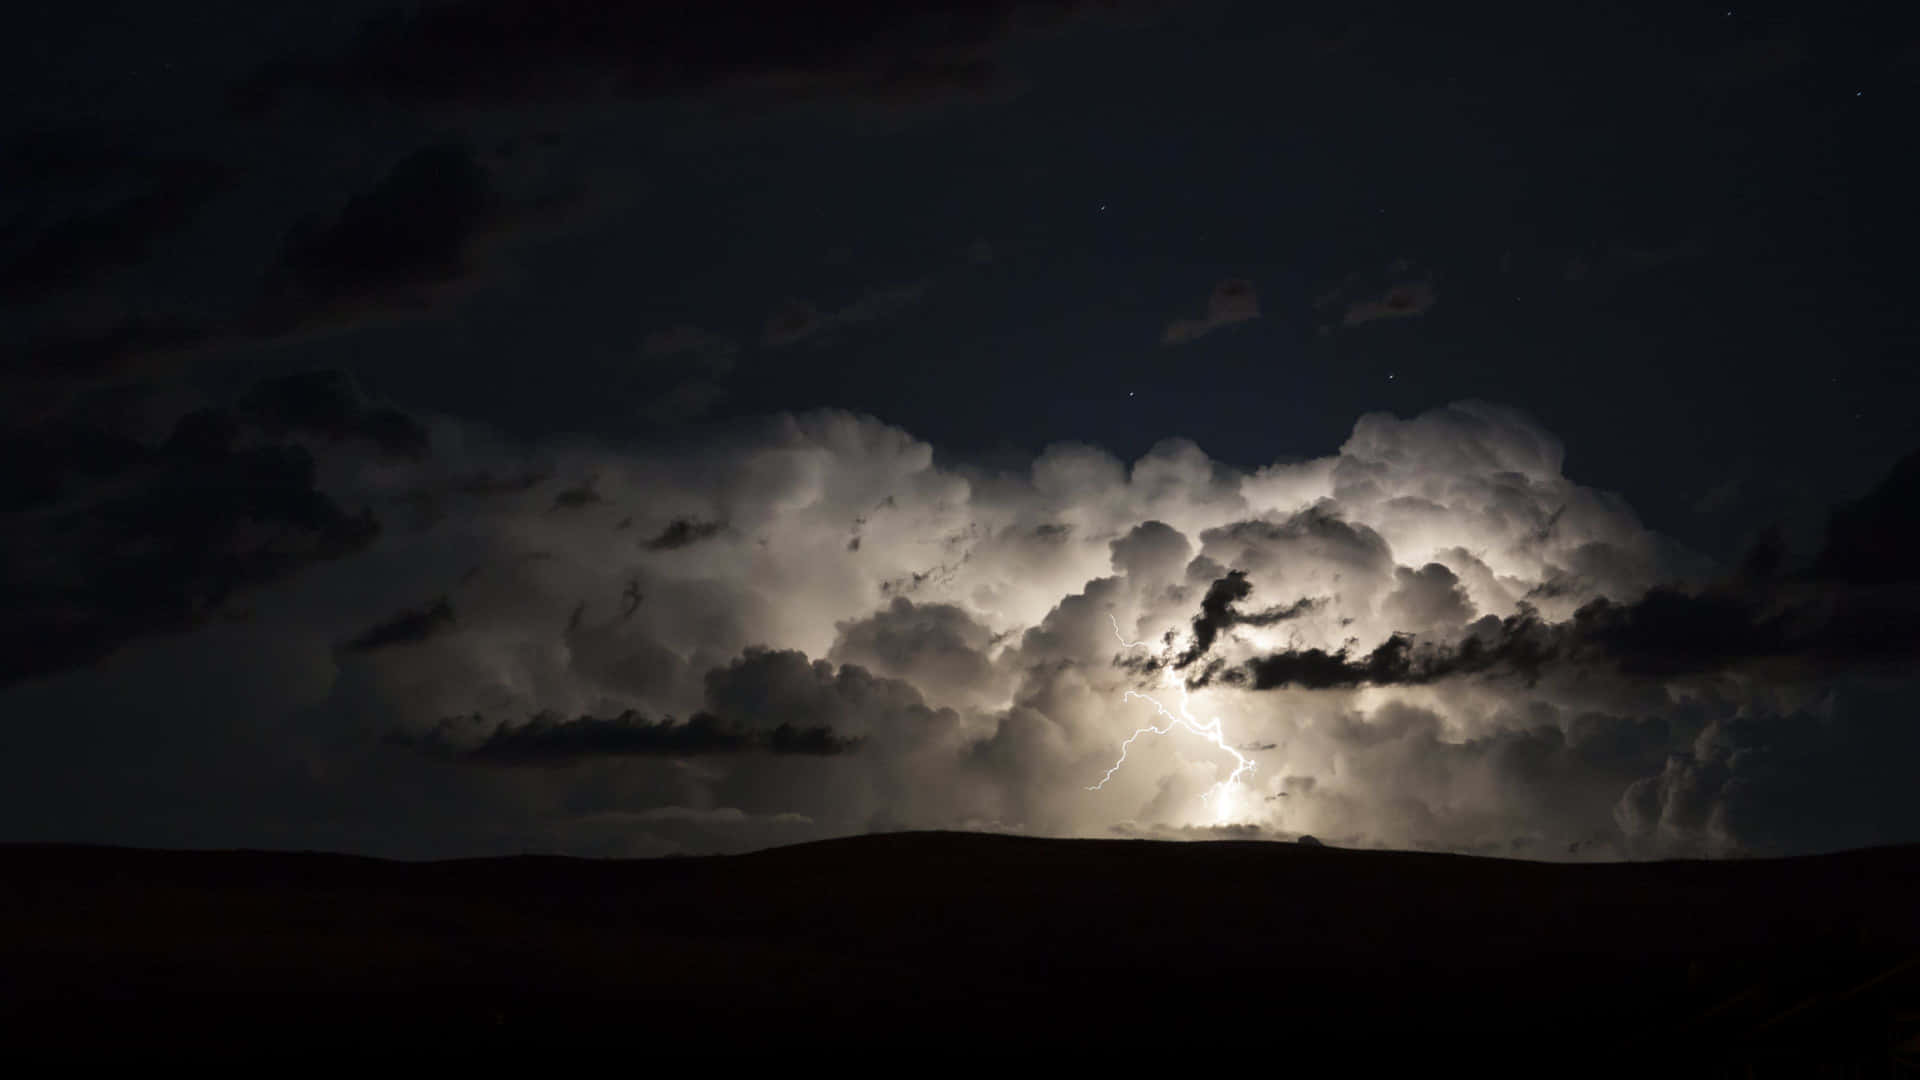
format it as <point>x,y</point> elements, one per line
<point>65,158</point>
<point>503,52</point>
<point>405,628</point>
<point>79,250</point>
<point>118,201</point>
<point>37,464</point>
<point>549,739</point>
<point>55,379</point>
<point>136,345</point>
<point>684,532</point>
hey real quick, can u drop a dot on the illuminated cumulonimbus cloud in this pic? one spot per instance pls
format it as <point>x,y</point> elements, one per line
<point>973,645</point>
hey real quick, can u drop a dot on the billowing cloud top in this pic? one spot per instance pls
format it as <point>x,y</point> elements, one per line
<point>1431,638</point>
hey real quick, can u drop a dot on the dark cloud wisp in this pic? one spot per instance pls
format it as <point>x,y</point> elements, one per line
<point>1217,613</point>
<point>684,532</point>
<point>404,628</point>
<point>550,739</point>
<point>1668,633</point>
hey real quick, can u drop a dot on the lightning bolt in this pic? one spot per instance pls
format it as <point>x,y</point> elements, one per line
<point>1209,731</point>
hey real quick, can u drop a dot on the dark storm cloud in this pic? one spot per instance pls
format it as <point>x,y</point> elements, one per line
<point>1833,774</point>
<point>165,546</point>
<point>507,52</point>
<point>1853,607</point>
<point>404,628</point>
<point>549,739</point>
<point>99,206</point>
<point>915,579</point>
<point>118,203</point>
<point>113,538</point>
<point>577,497</point>
<point>65,158</point>
<point>80,249</point>
<point>1875,540</point>
<point>36,464</point>
<point>330,405</point>
<point>401,247</point>
<point>1217,613</point>
<point>64,361</point>
<point>764,701</point>
<point>684,532</point>
<point>67,453</point>
<point>1520,644</point>
<point>401,244</point>
<point>765,689</point>
<point>1668,633</point>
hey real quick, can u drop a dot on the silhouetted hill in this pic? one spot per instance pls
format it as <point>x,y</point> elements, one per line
<point>972,943</point>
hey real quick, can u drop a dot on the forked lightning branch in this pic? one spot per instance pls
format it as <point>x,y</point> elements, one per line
<point>1209,731</point>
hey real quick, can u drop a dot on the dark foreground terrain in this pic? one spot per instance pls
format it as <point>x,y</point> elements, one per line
<point>943,944</point>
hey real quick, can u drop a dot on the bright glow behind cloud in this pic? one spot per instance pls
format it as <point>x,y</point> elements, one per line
<point>822,572</point>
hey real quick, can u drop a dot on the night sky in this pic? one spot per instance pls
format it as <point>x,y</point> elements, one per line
<point>495,426</point>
